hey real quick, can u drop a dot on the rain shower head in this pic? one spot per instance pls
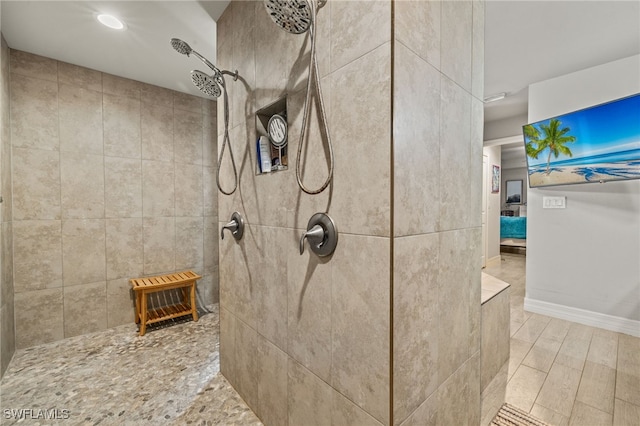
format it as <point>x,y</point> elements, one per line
<point>206,83</point>
<point>293,16</point>
<point>181,46</point>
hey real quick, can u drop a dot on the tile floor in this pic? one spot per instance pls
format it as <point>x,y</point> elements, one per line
<point>113,378</point>
<point>567,373</point>
<point>561,372</point>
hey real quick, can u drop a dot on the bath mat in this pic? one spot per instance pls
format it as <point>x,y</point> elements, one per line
<point>508,415</point>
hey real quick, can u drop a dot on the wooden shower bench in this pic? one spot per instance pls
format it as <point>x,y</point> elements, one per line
<point>144,286</point>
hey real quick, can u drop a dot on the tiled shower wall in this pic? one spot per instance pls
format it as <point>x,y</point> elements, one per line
<point>7,329</point>
<point>112,179</point>
<point>438,121</point>
<point>307,340</point>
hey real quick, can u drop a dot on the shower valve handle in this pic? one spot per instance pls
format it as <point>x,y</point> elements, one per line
<point>236,226</point>
<point>322,235</point>
<point>315,236</point>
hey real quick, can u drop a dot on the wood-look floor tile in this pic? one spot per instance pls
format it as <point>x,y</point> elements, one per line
<point>549,416</point>
<point>524,386</point>
<point>559,390</point>
<point>584,414</point>
<point>597,386</point>
<point>625,413</point>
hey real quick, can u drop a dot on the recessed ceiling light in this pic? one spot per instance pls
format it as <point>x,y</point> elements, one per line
<point>110,21</point>
<point>496,97</point>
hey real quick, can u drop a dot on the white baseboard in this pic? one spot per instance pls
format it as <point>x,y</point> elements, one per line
<point>495,260</point>
<point>582,316</point>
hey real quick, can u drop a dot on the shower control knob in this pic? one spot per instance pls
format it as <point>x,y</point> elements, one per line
<point>236,226</point>
<point>322,235</point>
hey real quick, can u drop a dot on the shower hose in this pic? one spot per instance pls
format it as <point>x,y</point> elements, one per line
<point>313,71</point>
<point>226,142</point>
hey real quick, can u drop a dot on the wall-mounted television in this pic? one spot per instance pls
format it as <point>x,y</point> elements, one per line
<point>596,144</point>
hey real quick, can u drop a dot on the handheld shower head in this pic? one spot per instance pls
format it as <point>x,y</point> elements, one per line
<point>181,46</point>
<point>206,83</point>
<point>293,16</point>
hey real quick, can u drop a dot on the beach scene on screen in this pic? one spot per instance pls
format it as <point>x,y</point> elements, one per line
<point>597,144</point>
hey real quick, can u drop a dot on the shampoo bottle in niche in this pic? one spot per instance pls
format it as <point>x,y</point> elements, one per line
<point>265,154</point>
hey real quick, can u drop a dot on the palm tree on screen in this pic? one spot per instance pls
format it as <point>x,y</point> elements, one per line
<point>550,136</point>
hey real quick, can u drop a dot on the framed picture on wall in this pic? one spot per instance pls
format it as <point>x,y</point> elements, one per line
<point>495,179</point>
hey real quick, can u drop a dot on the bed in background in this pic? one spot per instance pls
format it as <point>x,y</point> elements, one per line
<point>513,227</point>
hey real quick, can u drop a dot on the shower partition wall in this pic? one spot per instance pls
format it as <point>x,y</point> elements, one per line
<point>386,330</point>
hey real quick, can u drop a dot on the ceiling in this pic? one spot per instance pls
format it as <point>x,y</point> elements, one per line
<point>68,31</point>
<point>525,41</point>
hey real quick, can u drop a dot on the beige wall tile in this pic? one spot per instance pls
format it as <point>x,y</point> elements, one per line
<point>7,335</point>
<point>121,124</point>
<point>477,49</point>
<point>124,248</point>
<point>37,254</point>
<point>36,184</point>
<point>7,290</point>
<point>360,327</point>
<point>247,363</point>
<point>80,112</point>
<point>271,283</point>
<point>459,396</point>
<point>455,155</point>
<point>85,309</point>
<point>415,321</point>
<point>209,134</point>
<point>159,244</point>
<point>189,243</point>
<point>474,186</point>
<point>228,345</point>
<point>121,303</point>
<point>416,144</point>
<point>426,414</point>
<point>123,187</point>
<point>309,305</point>
<point>83,251</point>
<point>185,102</point>
<point>210,190</point>
<point>158,189</point>
<point>241,93</point>
<point>35,66</point>
<point>34,113</point>
<point>355,206</point>
<point>237,288</point>
<point>155,95</point>
<point>272,383</point>
<point>524,386</point>
<point>156,127</point>
<point>417,26</point>
<point>118,86</point>
<point>456,41</point>
<point>82,185</point>
<point>559,390</point>
<point>188,190</point>
<point>310,399</point>
<point>38,316</point>
<point>211,245</point>
<point>345,412</point>
<point>80,77</point>
<point>352,36</point>
<point>187,136</point>
<point>493,395</point>
<point>453,301</point>
<point>494,352</point>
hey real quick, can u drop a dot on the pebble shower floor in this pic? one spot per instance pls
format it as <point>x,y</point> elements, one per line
<point>170,376</point>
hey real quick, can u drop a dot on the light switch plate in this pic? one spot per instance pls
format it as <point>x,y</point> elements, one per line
<point>554,202</point>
